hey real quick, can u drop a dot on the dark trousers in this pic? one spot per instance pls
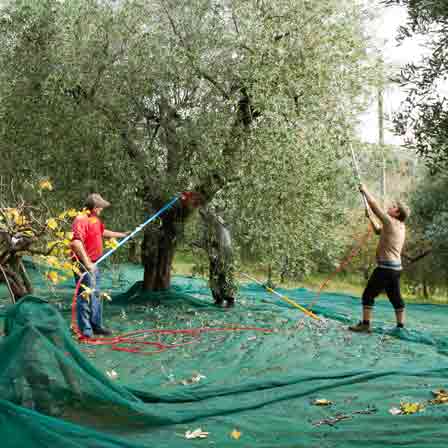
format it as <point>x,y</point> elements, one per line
<point>382,280</point>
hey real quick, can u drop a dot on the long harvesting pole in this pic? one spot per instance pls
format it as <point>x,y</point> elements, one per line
<point>286,299</point>
<point>137,229</point>
<point>358,176</point>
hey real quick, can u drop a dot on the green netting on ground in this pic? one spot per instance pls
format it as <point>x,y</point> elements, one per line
<point>56,392</point>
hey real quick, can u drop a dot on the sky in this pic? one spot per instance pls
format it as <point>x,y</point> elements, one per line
<point>384,29</point>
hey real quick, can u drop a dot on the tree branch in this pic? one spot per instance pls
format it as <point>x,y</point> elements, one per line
<point>187,48</point>
<point>417,258</point>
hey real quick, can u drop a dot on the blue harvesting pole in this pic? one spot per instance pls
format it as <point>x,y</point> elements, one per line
<point>137,229</point>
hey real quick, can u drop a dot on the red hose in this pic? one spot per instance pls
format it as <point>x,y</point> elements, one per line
<point>137,337</point>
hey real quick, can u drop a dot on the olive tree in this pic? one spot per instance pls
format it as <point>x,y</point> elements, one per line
<point>424,113</point>
<point>250,103</point>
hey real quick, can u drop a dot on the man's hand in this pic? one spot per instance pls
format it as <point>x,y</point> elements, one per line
<point>81,254</point>
<point>362,188</point>
<point>367,210</point>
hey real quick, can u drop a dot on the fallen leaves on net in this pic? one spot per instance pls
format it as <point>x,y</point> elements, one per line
<point>196,434</point>
<point>235,434</point>
<point>440,397</point>
<point>106,296</point>
<point>407,408</point>
<point>321,402</point>
<point>194,379</point>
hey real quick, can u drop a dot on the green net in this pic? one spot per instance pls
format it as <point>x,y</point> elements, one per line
<point>246,387</point>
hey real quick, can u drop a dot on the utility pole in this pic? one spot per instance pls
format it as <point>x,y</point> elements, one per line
<point>381,142</point>
<point>2,187</point>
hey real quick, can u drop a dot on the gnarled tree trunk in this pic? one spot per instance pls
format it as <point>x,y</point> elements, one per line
<point>159,244</point>
<point>15,276</point>
<point>159,247</point>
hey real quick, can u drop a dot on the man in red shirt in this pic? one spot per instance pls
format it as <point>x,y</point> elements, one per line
<point>87,246</point>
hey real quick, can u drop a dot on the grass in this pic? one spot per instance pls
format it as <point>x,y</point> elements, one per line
<point>350,284</point>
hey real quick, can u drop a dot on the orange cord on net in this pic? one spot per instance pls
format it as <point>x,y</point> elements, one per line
<point>361,242</point>
<point>138,337</point>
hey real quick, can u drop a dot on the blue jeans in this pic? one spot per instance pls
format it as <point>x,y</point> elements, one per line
<point>89,312</point>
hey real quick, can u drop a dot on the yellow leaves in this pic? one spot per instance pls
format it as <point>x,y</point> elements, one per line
<point>407,408</point>
<point>53,261</point>
<point>11,213</point>
<point>70,213</point>
<point>87,292</point>
<point>55,277</point>
<point>106,296</point>
<point>59,248</point>
<point>76,269</point>
<point>15,216</point>
<point>112,243</point>
<point>67,266</point>
<point>235,434</point>
<point>83,212</point>
<point>51,244</point>
<point>64,238</point>
<point>45,184</point>
<point>322,402</point>
<point>42,231</point>
<point>20,220</point>
<point>411,408</point>
<point>52,224</point>
<point>440,397</point>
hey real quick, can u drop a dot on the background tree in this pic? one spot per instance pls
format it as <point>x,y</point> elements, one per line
<point>429,237</point>
<point>32,228</point>
<point>424,113</point>
<point>424,119</point>
<point>251,103</point>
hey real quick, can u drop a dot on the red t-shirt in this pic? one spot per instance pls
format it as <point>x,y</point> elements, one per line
<point>89,230</point>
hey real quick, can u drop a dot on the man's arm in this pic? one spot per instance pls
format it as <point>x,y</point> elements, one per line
<point>376,227</point>
<point>373,204</point>
<point>111,234</point>
<point>80,251</point>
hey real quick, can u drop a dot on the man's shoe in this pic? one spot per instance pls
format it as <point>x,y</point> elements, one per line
<point>101,331</point>
<point>360,327</point>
